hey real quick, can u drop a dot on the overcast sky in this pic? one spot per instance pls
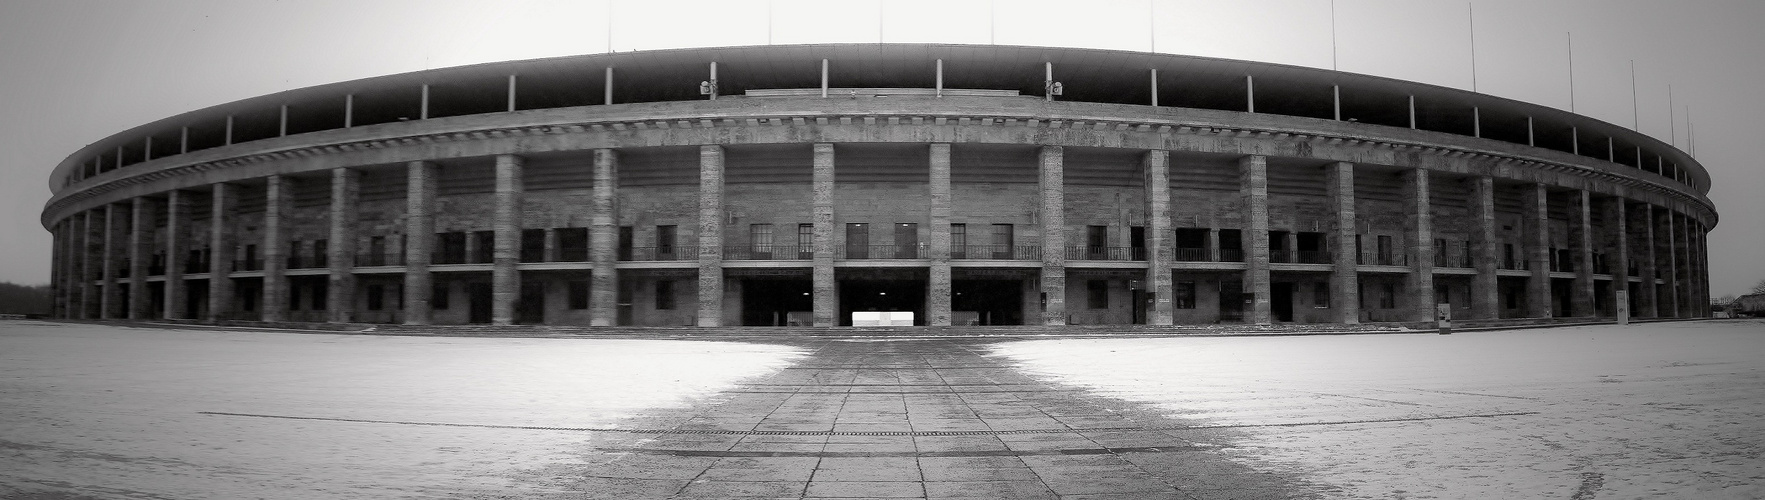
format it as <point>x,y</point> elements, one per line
<point>74,71</point>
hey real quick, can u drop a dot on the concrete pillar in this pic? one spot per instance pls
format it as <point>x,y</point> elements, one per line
<point>1538,296</point>
<point>505,279</point>
<point>1160,237</point>
<point>278,208</point>
<point>1419,229</point>
<point>710,235</point>
<point>1485,295</point>
<point>603,293</point>
<point>938,291</point>
<point>1581,239</point>
<point>114,227</point>
<point>177,222</point>
<point>220,251</point>
<point>340,296</point>
<point>1253,185</point>
<point>1618,249</point>
<point>1648,306</point>
<point>57,238</point>
<point>1673,299</point>
<point>90,306</point>
<point>826,306</point>
<point>1052,166</point>
<point>140,238</point>
<point>1344,277</point>
<point>420,186</point>
<point>549,245</point>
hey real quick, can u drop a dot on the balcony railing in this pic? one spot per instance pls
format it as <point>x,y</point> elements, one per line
<point>1514,265</point>
<point>248,265</point>
<point>1105,253</point>
<point>156,270</point>
<point>1314,257</point>
<point>915,251</point>
<point>1190,255</point>
<point>1231,255</point>
<point>657,254</point>
<point>376,259</point>
<point>1280,256</point>
<point>769,252</point>
<point>195,266</point>
<point>308,261</point>
<point>445,258</point>
<point>573,254</point>
<point>997,252</point>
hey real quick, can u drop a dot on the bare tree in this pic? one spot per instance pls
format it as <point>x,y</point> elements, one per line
<point>1758,288</point>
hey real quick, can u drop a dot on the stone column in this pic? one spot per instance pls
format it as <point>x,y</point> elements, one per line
<point>1344,275</point>
<point>1253,186</point>
<point>220,251</point>
<point>340,297</point>
<point>1581,238</point>
<point>1619,246</point>
<point>1485,295</point>
<point>177,222</point>
<point>1672,264</point>
<point>56,285</point>
<point>1052,166</point>
<point>140,238</point>
<point>1646,263</point>
<point>1419,229</point>
<point>937,294</point>
<point>90,306</point>
<point>603,294</point>
<point>826,306</point>
<point>710,236</point>
<point>278,201</point>
<point>112,300</point>
<point>505,279</point>
<point>419,233</point>
<point>1160,236</point>
<point>1538,289</point>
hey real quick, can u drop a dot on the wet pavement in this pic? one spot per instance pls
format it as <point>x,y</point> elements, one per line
<point>928,418</point>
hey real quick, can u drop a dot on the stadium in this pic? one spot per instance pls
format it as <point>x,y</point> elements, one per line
<point>878,184</point>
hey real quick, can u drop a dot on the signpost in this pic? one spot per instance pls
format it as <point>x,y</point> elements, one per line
<point>1443,318</point>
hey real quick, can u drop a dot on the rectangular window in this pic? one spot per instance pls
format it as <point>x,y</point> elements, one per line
<point>760,240</point>
<point>1320,295</point>
<point>486,241</point>
<point>664,295</point>
<point>1096,242</point>
<point>532,245</point>
<point>450,248</point>
<point>251,263</point>
<point>1003,241</point>
<point>665,242</point>
<point>958,241</point>
<point>1384,250</point>
<point>1440,252</point>
<point>1137,242</point>
<point>376,297</point>
<point>625,242</point>
<point>376,251</point>
<point>573,244</point>
<point>1184,295</point>
<point>805,241</point>
<point>1097,294</point>
<point>1231,245</point>
<point>321,253</point>
<point>1507,255</point>
<point>857,240</point>
<point>438,297</point>
<point>579,294</point>
<point>1388,296</point>
<point>1465,254</point>
<point>1360,256</point>
<point>906,240</point>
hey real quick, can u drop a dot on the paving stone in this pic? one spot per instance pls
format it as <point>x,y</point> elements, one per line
<point>866,489</point>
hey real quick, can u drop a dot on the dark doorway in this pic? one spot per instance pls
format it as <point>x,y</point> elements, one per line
<point>530,309</point>
<point>1601,291</point>
<point>1561,289</point>
<point>993,302</point>
<point>770,302</point>
<point>1231,301</point>
<point>194,298</point>
<point>1281,301</point>
<point>627,289</point>
<point>156,299</point>
<point>1140,302</point>
<point>478,302</point>
<point>882,295</point>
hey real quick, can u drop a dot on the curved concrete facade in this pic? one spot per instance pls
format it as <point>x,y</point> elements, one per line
<point>809,183</point>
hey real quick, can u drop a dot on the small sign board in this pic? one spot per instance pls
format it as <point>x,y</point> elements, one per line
<point>1443,318</point>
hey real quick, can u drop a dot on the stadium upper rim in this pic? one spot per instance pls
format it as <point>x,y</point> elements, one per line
<point>1088,75</point>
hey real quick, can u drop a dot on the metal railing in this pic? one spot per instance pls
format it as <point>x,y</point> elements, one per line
<point>997,252</point>
<point>1314,257</point>
<point>657,253</point>
<point>573,254</point>
<point>1190,255</point>
<point>769,252</point>
<point>444,258</point>
<point>1280,256</point>
<point>1105,253</point>
<point>914,251</point>
<point>377,259</point>
<point>319,261</point>
<point>1231,255</point>
<point>248,265</point>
